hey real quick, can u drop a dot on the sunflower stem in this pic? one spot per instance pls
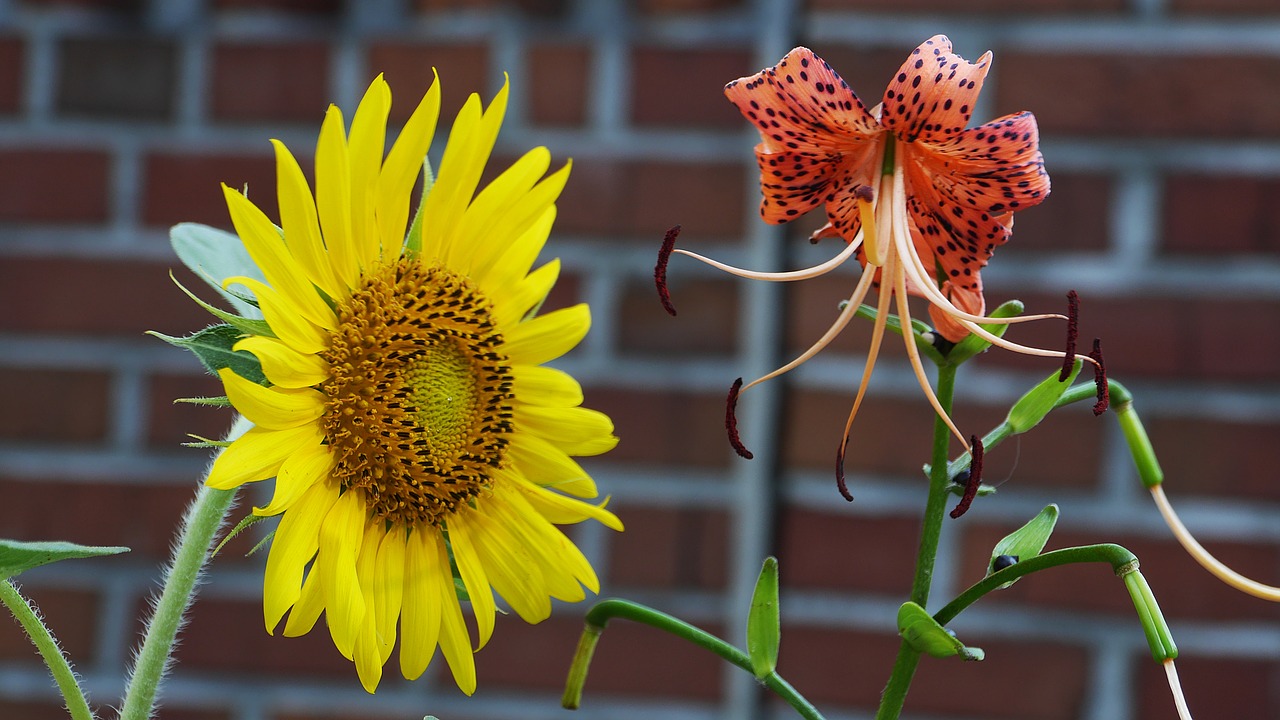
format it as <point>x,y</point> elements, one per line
<point>600,614</point>
<point>192,549</point>
<point>59,666</point>
<point>904,667</point>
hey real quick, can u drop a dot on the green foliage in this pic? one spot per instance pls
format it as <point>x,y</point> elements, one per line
<point>413,241</point>
<point>1039,400</point>
<point>213,346</point>
<point>927,636</point>
<point>17,556</point>
<point>1027,541</point>
<point>764,630</point>
<point>972,344</point>
<point>215,255</point>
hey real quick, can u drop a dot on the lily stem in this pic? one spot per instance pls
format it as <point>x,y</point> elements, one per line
<point>904,667</point>
<point>59,666</point>
<point>195,538</point>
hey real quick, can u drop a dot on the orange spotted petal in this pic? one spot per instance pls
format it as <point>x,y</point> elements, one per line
<point>967,300</point>
<point>932,96</point>
<point>802,104</point>
<point>996,167</point>
<point>793,183</point>
<point>955,238</point>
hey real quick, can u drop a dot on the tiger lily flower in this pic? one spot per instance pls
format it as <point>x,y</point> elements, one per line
<point>920,200</point>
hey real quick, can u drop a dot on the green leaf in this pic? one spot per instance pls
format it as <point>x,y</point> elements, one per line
<point>215,255</point>
<point>1027,541</point>
<point>413,241</point>
<point>213,346</point>
<point>764,630</point>
<point>248,326</point>
<point>220,401</point>
<point>972,344</point>
<point>923,633</point>
<point>894,323</point>
<point>17,556</point>
<point>244,523</point>
<point>1039,400</point>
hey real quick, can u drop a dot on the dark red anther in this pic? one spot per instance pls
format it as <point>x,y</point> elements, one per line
<point>731,420</point>
<point>1100,379</point>
<point>864,192</point>
<point>1073,332</point>
<point>660,270</point>
<point>840,483</point>
<point>975,478</point>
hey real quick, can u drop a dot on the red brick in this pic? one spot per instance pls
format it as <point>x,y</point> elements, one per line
<point>665,428</point>
<point>311,7</point>
<point>829,551</point>
<point>116,6</point>
<point>117,77</point>
<point>1215,457</point>
<point>706,324</point>
<point>169,422</point>
<point>665,7</point>
<point>54,406</point>
<point>227,636</point>
<point>848,668</point>
<point>97,297</point>
<point>1217,215</point>
<point>1223,7</point>
<point>671,549</point>
<point>889,436</point>
<point>183,187</point>
<point>1184,590</point>
<point>1041,7</point>
<point>684,87</point>
<point>463,68</point>
<point>11,709</point>
<point>642,199</point>
<point>1073,219</point>
<point>1160,95</point>
<point>1238,689</point>
<point>69,614</point>
<point>632,660</point>
<point>558,80</point>
<point>449,5</point>
<point>12,70</point>
<point>140,517</point>
<point>1063,451</point>
<point>58,186</point>
<point>270,82</point>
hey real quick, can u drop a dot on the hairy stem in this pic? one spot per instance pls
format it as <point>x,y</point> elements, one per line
<point>59,666</point>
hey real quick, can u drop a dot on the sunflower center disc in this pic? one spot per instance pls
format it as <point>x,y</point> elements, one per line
<point>418,409</point>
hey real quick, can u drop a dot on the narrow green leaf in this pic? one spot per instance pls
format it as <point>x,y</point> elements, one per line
<point>248,326</point>
<point>213,347</point>
<point>18,556</point>
<point>215,255</point>
<point>413,241</point>
<point>924,634</point>
<point>220,401</point>
<point>1026,542</point>
<point>1039,400</point>
<point>244,523</point>
<point>764,630</point>
<point>972,344</point>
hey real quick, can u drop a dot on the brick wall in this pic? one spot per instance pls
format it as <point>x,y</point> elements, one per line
<point>1161,127</point>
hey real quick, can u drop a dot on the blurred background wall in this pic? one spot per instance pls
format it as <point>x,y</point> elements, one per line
<point>1161,127</point>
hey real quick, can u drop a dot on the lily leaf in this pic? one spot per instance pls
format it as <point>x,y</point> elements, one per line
<point>215,255</point>
<point>1025,542</point>
<point>213,346</point>
<point>17,556</point>
<point>972,344</point>
<point>1039,400</point>
<point>764,631</point>
<point>926,635</point>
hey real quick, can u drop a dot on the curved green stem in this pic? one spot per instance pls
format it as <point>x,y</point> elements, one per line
<point>201,523</point>
<point>1118,557</point>
<point>48,648</point>
<point>904,667</point>
<point>602,612</point>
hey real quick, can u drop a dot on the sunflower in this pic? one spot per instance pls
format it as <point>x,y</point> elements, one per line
<point>412,428</point>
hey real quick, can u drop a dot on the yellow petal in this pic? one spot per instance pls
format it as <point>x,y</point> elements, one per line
<point>455,641</point>
<point>524,294</point>
<point>294,544</point>
<point>547,337</point>
<point>286,322</point>
<point>340,536</point>
<point>302,470</point>
<point>401,169</point>
<point>575,430</point>
<point>271,408</point>
<point>420,614</point>
<point>300,223</point>
<point>368,655</point>
<point>306,611</point>
<point>511,568</point>
<point>563,510</point>
<point>491,205</point>
<point>278,265</point>
<point>473,575</point>
<point>284,366</point>
<point>258,454</point>
<point>564,565</point>
<point>546,386</point>
<point>518,255</point>
<point>516,223</point>
<point>368,138</point>
<point>547,465</point>
<point>333,198</point>
<point>389,586</point>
